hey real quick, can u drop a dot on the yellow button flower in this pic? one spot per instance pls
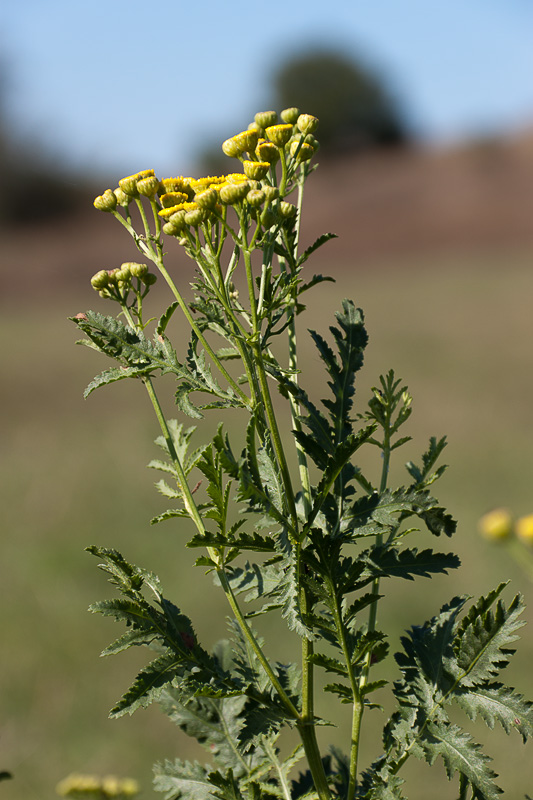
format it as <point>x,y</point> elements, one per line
<point>497,524</point>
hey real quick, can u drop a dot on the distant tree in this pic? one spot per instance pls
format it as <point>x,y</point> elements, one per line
<point>355,108</point>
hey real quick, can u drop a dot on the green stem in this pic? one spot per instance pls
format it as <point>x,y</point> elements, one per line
<point>157,259</point>
<point>358,706</point>
<point>358,710</point>
<point>265,391</point>
<point>250,638</point>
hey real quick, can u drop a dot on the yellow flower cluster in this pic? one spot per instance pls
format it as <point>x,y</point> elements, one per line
<point>184,202</point>
<point>76,785</point>
<point>499,524</point>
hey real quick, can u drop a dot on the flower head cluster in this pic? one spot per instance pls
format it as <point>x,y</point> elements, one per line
<point>87,786</point>
<point>499,525</point>
<point>274,154</point>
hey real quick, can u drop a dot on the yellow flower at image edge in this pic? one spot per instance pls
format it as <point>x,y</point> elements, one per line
<point>497,524</point>
<point>524,529</point>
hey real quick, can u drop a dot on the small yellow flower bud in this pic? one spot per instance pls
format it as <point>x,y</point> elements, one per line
<point>266,151</point>
<point>307,123</point>
<point>123,274</point>
<point>100,280</point>
<point>231,148</point>
<point>495,525</point>
<point>148,187</point>
<point>524,529</point>
<point>123,199</point>
<point>287,210</point>
<point>233,192</point>
<point>196,216</point>
<point>303,152</point>
<point>177,219</point>
<point>106,201</point>
<point>136,270</point>
<point>236,177</point>
<point>268,218</point>
<point>265,119</point>
<point>170,229</point>
<point>271,193</point>
<point>253,126</point>
<point>173,199</point>
<point>207,199</point>
<point>180,184</point>
<point>113,280</point>
<point>279,134</point>
<point>255,170</point>
<point>244,142</point>
<point>290,115</point>
<point>255,198</point>
<point>129,184</point>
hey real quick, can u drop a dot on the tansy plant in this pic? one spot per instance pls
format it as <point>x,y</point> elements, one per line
<point>311,546</point>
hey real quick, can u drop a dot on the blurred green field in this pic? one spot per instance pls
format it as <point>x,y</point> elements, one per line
<point>459,330</point>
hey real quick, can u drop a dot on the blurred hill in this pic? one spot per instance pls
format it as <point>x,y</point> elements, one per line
<point>475,196</point>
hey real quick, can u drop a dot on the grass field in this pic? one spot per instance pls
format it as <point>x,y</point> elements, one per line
<point>459,330</point>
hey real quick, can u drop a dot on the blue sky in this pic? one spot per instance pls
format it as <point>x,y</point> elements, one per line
<point>122,85</point>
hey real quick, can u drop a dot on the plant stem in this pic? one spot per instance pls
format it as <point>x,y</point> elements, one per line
<point>157,259</point>
<point>250,638</point>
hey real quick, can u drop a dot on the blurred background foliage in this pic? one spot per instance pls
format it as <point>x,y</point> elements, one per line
<point>435,245</point>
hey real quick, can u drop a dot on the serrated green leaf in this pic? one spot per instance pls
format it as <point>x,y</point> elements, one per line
<point>390,562</point>
<point>112,376</point>
<point>148,684</point>
<point>482,647</point>
<point>319,241</point>
<point>183,780</point>
<point>498,703</point>
<point>460,754</point>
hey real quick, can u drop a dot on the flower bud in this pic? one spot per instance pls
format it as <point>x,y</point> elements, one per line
<point>279,134</point>
<point>173,199</point>
<point>287,210</point>
<point>290,115</point>
<point>106,201</point>
<point>235,177</point>
<point>207,199</point>
<point>177,219</point>
<point>495,525</point>
<point>253,126</point>
<point>196,216</point>
<point>136,270</point>
<point>129,184</point>
<point>268,218</point>
<point>244,142</point>
<point>524,529</point>
<point>112,277</point>
<point>231,148</point>
<point>307,123</point>
<point>233,192</point>
<point>149,279</point>
<point>170,229</point>
<point>167,213</point>
<point>123,199</point>
<point>180,184</point>
<point>255,198</point>
<point>123,274</point>
<point>266,151</point>
<point>303,152</point>
<point>148,187</point>
<point>271,193</point>
<point>265,119</point>
<point>100,280</point>
<point>255,170</point>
